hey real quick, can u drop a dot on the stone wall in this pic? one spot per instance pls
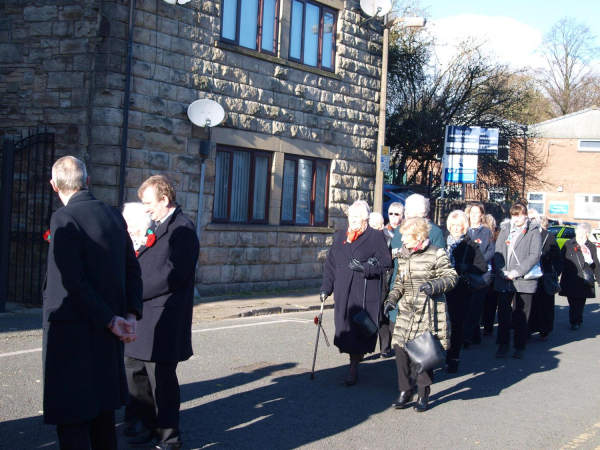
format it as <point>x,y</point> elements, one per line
<point>72,75</point>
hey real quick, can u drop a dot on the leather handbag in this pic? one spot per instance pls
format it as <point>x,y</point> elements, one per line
<point>423,350</point>
<point>587,276</point>
<point>550,283</point>
<point>363,321</point>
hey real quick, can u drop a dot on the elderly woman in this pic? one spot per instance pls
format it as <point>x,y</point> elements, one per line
<point>579,255</point>
<point>482,236</point>
<point>138,222</point>
<point>465,256</point>
<point>518,250</point>
<point>541,317</point>
<point>356,261</point>
<point>424,274</point>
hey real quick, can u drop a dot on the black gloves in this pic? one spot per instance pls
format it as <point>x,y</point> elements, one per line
<point>323,296</point>
<point>433,287</point>
<point>388,307</point>
<point>356,266</point>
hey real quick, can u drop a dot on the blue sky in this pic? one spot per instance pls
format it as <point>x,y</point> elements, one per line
<point>512,29</point>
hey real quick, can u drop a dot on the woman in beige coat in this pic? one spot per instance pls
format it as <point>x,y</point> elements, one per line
<point>424,273</point>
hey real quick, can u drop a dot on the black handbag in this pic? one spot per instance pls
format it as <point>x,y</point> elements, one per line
<point>587,276</point>
<point>363,321</point>
<point>423,351</point>
<point>550,283</point>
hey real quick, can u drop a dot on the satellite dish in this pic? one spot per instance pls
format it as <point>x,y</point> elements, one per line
<point>376,7</point>
<point>206,113</point>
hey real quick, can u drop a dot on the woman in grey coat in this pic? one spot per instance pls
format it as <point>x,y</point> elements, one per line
<point>518,249</point>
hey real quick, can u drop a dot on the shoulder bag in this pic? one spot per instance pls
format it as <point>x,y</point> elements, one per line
<point>363,321</point>
<point>550,279</point>
<point>423,351</point>
<point>587,276</point>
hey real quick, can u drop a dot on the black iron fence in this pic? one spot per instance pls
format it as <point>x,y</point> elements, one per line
<point>25,207</point>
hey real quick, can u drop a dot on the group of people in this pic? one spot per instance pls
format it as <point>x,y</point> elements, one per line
<point>117,314</point>
<point>410,278</point>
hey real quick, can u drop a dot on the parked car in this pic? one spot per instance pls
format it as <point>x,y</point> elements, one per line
<point>563,233</point>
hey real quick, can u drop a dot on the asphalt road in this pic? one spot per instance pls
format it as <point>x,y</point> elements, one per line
<point>248,387</point>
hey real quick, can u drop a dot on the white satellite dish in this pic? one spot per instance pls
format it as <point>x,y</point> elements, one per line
<point>206,113</point>
<point>376,7</point>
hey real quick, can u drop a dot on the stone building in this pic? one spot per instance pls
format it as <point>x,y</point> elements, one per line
<point>299,82</point>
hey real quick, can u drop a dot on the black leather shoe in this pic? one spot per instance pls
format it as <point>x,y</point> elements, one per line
<point>143,439</point>
<point>575,326</point>
<point>452,365</point>
<point>422,404</point>
<point>167,446</point>
<point>466,344</point>
<point>388,354</point>
<point>501,353</point>
<point>518,354</point>
<point>350,382</point>
<point>134,428</point>
<point>405,398</point>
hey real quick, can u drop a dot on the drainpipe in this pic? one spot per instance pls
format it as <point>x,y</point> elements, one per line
<point>126,106</point>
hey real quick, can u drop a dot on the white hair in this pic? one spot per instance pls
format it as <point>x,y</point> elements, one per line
<point>458,216</point>
<point>362,207</point>
<point>416,206</point>
<point>376,221</point>
<point>136,216</point>
<point>396,206</point>
<point>584,226</point>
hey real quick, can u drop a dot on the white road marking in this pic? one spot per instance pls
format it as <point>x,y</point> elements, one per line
<point>33,350</point>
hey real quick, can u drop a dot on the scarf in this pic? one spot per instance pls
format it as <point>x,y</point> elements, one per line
<point>351,236</point>
<point>451,244</point>
<point>587,256</point>
<point>406,252</point>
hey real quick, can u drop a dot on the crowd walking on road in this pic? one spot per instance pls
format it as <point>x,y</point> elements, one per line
<point>443,287</point>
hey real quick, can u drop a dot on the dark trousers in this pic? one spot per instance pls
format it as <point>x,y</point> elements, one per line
<point>490,304</point>
<point>576,310</point>
<point>386,328</point>
<point>155,397</point>
<point>513,306</point>
<point>472,331</point>
<point>405,380</point>
<point>542,312</point>
<point>459,306</point>
<point>97,434</point>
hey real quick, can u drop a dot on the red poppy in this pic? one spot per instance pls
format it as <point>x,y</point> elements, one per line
<point>47,236</point>
<point>478,241</point>
<point>316,320</point>
<point>137,253</point>
<point>576,248</point>
<point>150,240</point>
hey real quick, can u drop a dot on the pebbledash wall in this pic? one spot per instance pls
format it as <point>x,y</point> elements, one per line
<point>63,66</point>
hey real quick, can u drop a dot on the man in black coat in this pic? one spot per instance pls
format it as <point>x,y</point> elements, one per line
<point>165,334</point>
<point>92,299</point>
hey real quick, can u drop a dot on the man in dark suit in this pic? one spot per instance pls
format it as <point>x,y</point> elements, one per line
<point>165,334</point>
<point>92,299</point>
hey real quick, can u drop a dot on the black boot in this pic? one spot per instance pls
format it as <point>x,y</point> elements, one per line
<point>502,349</point>
<point>405,398</point>
<point>422,402</point>
<point>452,365</point>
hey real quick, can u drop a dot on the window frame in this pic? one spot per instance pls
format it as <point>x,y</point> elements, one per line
<point>577,213</point>
<point>259,25</point>
<point>322,10</point>
<point>313,194</point>
<point>254,153</point>
<point>588,149</point>
<point>536,202</point>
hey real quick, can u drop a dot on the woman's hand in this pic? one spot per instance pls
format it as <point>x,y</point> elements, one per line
<point>388,307</point>
<point>356,266</point>
<point>323,296</point>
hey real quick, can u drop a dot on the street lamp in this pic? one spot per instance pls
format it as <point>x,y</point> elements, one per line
<point>524,128</point>
<point>410,22</point>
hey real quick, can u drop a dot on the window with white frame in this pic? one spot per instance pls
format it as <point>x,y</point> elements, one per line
<point>242,185</point>
<point>251,23</point>
<point>587,206</point>
<point>537,201</point>
<point>589,145</point>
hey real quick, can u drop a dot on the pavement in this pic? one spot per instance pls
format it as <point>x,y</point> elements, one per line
<point>231,306</point>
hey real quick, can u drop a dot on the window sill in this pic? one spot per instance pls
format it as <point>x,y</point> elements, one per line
<point>264,227</point>
<point>276,60</point>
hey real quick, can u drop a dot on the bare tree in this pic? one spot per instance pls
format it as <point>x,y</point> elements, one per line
<point>570,51</point>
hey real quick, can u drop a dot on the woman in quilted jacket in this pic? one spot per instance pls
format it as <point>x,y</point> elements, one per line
<point>424,274</point>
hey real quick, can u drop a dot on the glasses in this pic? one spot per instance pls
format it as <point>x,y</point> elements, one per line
<point>394,214</point>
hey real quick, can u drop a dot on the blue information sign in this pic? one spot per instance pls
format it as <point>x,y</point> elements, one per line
<point>558,208</point>
<point>461,175</point>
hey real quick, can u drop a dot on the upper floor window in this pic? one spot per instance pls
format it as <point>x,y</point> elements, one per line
<point>588,145</point>
<point>312,34</point>
<point>242,185</point>
<point>305,191</point>
<point>251,24</point>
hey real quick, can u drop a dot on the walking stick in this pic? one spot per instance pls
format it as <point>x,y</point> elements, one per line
<point>318,323</point>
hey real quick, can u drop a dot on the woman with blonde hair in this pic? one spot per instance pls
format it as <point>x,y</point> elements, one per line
<point>424,274</point>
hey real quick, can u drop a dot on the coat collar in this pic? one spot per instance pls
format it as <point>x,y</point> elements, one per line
<point>162,229</point>
<point>349,249</point>
<point>81,196</point>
